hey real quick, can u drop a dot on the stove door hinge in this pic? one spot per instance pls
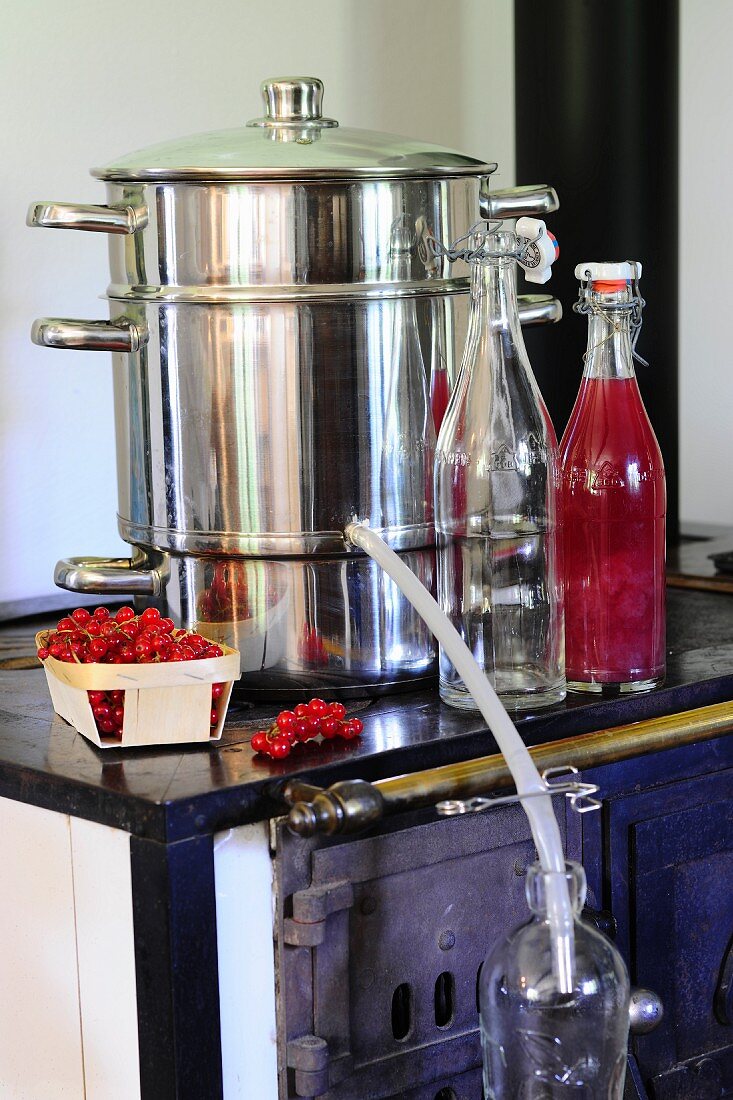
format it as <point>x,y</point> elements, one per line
<point>309,1057</point>
<point>311,908</point>
<point>315,1070</point>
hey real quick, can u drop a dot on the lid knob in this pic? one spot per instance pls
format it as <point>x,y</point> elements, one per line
<point>293,101</point>
<point>293,98</point>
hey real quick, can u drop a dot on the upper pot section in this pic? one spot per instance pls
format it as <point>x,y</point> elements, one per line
<point>292,141</point>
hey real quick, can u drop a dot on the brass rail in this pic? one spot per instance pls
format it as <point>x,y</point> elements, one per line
<point>352,805</point>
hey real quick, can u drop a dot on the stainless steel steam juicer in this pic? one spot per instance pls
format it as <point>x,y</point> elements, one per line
<point>274,309</point>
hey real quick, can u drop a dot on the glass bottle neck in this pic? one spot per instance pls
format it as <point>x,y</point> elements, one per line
<point>609,353</point>
<point>538,882</point>
<point>494,296</point>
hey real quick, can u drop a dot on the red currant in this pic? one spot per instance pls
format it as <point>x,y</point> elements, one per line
<point>101,613</point>
<point>98,648</point>
<point>285,720</point>
<point>317,707</point>
<point>330,727</point>
<point>314,726</point>
<point>43,653</point>
<point>214,718</point>
<point>301,711</point>
<point>81,616</point>
<point>66,624</point>
<point>217,690</point>
<point>150,615</point>
<point>301,729</point>
<point>106,725</point>
<point>259,741</point>
<point>124,615</point>
<point>279,748</point>
<point>337,710</point>
<point>167,625</point>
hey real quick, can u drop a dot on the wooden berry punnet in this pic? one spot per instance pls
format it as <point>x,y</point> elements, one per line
<point>164,704</point>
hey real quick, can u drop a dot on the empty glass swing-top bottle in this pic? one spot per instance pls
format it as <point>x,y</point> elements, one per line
<point>613,501</point>
<point>542,1043</point>
<point>496,482</point>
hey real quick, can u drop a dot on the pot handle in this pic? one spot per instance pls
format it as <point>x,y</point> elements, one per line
<point>92,219</point>
<point>533,201</point>
<point>63,332</point>
<point>136,576</point>
<point>538,309</point>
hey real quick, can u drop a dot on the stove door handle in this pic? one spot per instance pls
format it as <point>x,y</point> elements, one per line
<point>138,576</point>
<point>92,219</point>
<point>122,334</point>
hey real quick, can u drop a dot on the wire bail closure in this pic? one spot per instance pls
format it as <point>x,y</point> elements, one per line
<point>471,247</point>
<point>586,306</point>
<point>578,794</point>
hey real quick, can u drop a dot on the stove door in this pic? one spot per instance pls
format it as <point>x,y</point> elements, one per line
<point>381,939</point>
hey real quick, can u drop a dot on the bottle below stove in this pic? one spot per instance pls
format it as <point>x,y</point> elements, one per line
<point>539,1041</point>
<point>613,501</point>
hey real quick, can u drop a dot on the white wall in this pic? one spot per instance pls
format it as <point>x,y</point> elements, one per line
<point>86,80</point>
<point>706,348</point>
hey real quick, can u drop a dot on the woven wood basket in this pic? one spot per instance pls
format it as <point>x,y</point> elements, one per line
<point>165,704</point>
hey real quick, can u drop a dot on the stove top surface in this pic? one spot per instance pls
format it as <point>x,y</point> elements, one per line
<point>171,793</point>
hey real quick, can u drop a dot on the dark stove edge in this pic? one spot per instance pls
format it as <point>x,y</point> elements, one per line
<point>253,802</point>
<point>64,795</point>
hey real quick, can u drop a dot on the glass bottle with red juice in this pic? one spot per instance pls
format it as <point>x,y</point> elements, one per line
<point>613,501</point>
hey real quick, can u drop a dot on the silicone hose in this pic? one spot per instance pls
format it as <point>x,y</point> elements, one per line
<point>527,779</point>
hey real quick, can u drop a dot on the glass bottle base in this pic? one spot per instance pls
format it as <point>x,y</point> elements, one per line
<point>608,690</point>
<point>458,697</point>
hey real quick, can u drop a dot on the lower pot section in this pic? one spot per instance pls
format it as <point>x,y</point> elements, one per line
<point>329,626</point>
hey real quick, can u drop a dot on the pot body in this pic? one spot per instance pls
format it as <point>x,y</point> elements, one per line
<point>272,344</point>
<point>280,390</point>
<point>248,435</point>
<point>213,241</point>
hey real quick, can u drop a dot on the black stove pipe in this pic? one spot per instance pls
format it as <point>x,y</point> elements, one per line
<point>597,117</point>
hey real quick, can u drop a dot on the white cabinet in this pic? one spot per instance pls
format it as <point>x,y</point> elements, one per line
<point>68,1019</point>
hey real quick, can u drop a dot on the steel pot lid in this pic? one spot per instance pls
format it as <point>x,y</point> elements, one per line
<point>292,141</point>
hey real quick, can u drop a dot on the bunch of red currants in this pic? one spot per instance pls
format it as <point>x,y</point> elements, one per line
<point>123,639</point>
<point>307,721</point>
<point>120,639</point>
